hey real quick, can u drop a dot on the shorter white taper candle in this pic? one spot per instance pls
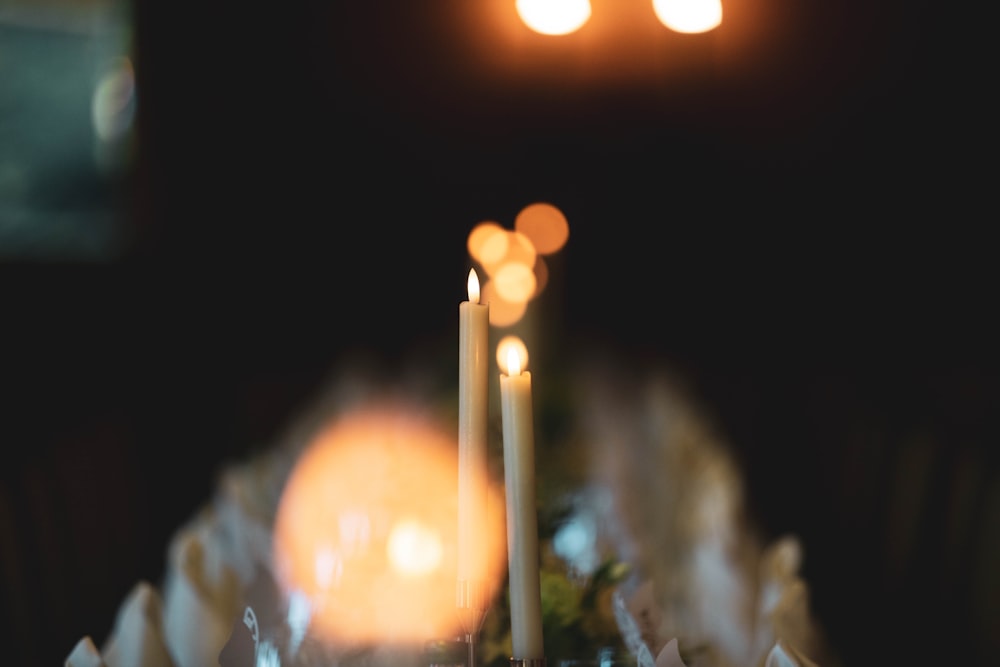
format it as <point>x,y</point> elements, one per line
<point>522,520</point>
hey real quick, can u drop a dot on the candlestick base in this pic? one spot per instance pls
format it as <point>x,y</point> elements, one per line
<point>471,603</point>
<point>527,662</point>
<point>472,607</point>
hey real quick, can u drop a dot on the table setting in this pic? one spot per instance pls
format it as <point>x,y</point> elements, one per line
<point>404,518</point>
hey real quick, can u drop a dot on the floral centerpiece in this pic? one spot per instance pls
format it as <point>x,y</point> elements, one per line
<point>644,550</point>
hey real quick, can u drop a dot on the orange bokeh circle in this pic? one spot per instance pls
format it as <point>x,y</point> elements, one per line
<point>367,529</point>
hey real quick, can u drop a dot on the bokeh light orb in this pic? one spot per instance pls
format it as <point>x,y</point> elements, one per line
<point>516,249</point>
<point>515,282</point>
<point>544,225</point>
<point>487,242</point>
<point>689,16</point>
<point>554,17</point>
<point>541,275</point>
<point>503,313</point>
<point>367,529</point>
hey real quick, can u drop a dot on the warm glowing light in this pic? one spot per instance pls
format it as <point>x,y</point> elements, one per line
<point>541,275</point>
<point>487,242</point>
<point>513,362</point>
<point>366,528</point>
<point>544,225</point>
<point>512,355</point>
<point>502,313</point>
<point>554,17</point>
<point>517,248</point>
<point>414,549</point>
<point>515,282</point>
<point>473,286</point>
<point>689,16</point>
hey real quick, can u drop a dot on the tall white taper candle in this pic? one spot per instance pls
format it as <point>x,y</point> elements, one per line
<point>473,434</point>
<point>522,521</point>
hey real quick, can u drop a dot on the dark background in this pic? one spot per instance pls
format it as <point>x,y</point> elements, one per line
<point>792,211</point>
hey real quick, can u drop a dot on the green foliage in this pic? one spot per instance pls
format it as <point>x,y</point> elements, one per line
<point>577,617</point>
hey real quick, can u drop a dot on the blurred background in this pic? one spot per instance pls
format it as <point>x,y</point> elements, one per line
<point>203,211</point>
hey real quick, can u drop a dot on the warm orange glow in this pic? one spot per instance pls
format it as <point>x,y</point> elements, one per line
<point>544,225</point>
<point>541,275</point>
<point>517,248</point>
<point>513,362</point>
<point>515,282</point>
<point>554,17</point>
<point>367,528</point>
<point>414,548</point>
<point>623,49</point>
<point>487,242</point>
<point>473,284</point>
<point>689,16</point>
<point>502,313</point>
<point>512,349</point>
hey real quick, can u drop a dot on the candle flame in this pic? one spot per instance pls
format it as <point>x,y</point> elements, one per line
<point>473,286</point>
<point>513,361</point>
<point>504,347</point>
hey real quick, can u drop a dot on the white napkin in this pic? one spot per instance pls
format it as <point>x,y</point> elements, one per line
<point>631,632</point>
<point>85,654</point>
<point>670,656</point>
<point>778,585</point>
<point>137,636</point>
<point>642,607</point>
<point>210,561</point>
<point>787,656</point>
<point>200,603</point>
<point>792,624</point>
